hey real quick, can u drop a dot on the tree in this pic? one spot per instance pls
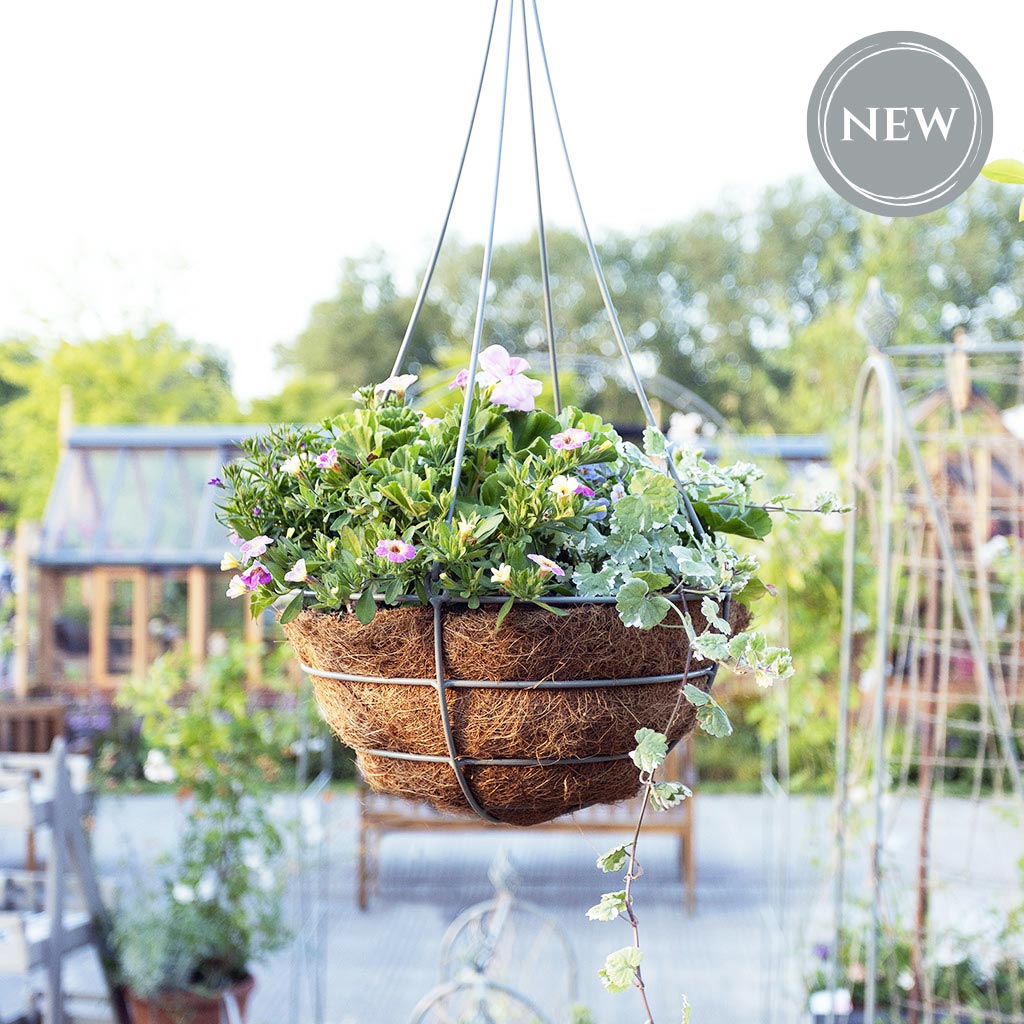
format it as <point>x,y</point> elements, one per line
<point>153,377</point>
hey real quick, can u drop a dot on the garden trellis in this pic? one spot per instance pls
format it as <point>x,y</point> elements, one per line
<point>937,466</point>
<point>398,768</point>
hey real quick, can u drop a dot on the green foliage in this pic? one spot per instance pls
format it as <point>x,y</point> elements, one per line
<point>215,907</point>
<point>611,906</point>
<point>154,377</point>
<point>359,510</point>
<point>619,971</point>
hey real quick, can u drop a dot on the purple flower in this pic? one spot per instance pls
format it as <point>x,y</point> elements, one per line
<point>233,538</point>
<point>215,481</point>
<point>328,460</point>
<point>395,550</point>
<point>460,381</point>
<point>618,491</point>
<point>821,951</point>
<point>255,576</point>
<point>255,547</point>
<point>547,567</point>
<point>584,490</point>
<point>256,511</point>
<point>571,439</point>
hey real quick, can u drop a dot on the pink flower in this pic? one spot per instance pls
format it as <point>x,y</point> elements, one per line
<point>395,550</point>
<point>505,375</point>
<point>460,381</point>
<point>571,439</point>
<point>430,421</point>
<point>255,547</point>
<point>255,576</point>
<point>328,460</point>
<point>234,538</point>
<point>584,490</point>
<point>547,567</point>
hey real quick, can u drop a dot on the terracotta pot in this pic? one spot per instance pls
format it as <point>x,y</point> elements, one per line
<point>187,1007</point>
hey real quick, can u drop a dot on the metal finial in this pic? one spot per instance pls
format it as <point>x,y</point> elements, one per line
<point>877,315</point>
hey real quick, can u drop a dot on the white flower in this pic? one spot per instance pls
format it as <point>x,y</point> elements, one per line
<point>297,573</point>
<point>823,1003</point>
<point>207,887</point>
<point>994,548</point>
<point>618,492</point>
<point>183,893</point>
<point>564,487</point>
<point>684,426</point>
<point>502,575</point>
<point>237,588</point>
<point>905,980</point>
<point>397,384</point>
<point>292,466</point>
<point>157,768</point>
<point>229,562</point>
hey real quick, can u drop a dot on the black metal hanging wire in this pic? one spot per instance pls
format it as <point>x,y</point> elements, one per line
<point>438,601</point>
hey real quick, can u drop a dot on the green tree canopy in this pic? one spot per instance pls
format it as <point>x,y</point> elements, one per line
<point>150,377</point>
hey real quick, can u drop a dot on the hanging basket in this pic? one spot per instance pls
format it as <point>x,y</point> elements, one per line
<point>534,720</point>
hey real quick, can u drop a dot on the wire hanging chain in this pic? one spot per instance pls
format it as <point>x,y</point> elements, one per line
<point>542,238</point>
<point>421,298</point>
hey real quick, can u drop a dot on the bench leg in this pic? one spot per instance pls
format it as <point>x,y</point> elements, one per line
<point>688,870</point>
<point>363,882</point>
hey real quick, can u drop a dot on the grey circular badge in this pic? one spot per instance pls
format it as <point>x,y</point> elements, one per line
<point>899,123</point>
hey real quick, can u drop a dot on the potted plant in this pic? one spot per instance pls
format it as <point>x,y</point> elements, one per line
<point>186,938</point>
<point>557,580</point>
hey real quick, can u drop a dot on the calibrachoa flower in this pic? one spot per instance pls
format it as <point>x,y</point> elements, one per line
<point>584,490</point>
<point>460,381</point>
<point>564,487</point>
<point>255,547</point>
<point>229,562</point>
<point>328,460</point>
<point>292,465</point>
<point>547,567</point>
<point>255,576</point>
<point>397,384</point>
<point>502,575</point>
<point>430,421</point>
<point>233,538</point>
<point>236,587</point>
<point>297,573</point>
<point>505,375</point>
<point>395,550</point>
<point>571,439</point>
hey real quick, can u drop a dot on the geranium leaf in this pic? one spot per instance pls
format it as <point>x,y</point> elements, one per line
<point>612,904</point>
<point>620,967</point>
<point>651,750</point>
<point>614,859</point>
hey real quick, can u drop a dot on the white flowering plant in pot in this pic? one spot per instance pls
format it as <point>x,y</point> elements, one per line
<point>188,935</point>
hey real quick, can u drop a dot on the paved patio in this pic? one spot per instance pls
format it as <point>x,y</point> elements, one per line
<point>763,895</point>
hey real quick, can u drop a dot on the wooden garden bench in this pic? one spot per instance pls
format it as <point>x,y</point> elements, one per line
<point>379,815</point>
<point>30,726</point>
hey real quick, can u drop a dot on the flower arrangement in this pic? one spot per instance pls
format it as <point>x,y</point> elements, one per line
<point>358,511</point>
<point>197,925</point>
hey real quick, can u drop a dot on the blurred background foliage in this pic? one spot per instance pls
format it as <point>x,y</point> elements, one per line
<point>749,307</point>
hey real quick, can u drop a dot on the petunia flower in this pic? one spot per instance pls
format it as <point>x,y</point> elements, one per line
<point>233,538</point>
<point>292,466</point>
<point>466,529</point>
<point>460,380</point>
<point>546,566</point>
<point>255,547</point>
<point>502,575</point>
<point>297,573</point>
<point>255,576</point>
<point>237,587</point>
<point>327,460</point>
<point>229,562</point>
<point>505,375</point>
<point>583,489</point>
<point>564,487</point>
<point>395,550</point>
<point>397,384</point>
<point>571,439</point>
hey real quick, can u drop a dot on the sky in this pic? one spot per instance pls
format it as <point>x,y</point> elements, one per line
<point>213,164</point>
